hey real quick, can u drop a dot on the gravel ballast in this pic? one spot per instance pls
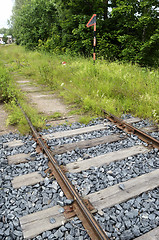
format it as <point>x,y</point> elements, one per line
<point>132,218</point>
<point>124,221</point>
<point>96,179</point>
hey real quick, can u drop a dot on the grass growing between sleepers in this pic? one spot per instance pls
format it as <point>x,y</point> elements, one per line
<point>116,87</point>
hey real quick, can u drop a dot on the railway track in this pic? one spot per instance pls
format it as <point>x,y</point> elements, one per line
<point>93,182</point>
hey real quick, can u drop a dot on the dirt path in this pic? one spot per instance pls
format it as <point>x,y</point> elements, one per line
<point>44,101</point>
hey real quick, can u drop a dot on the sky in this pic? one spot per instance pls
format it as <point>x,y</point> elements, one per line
<point>5,12</point>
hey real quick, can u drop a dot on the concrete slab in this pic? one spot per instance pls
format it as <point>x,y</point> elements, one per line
<point>29,88</point>
<point>47,104</point>
<point>23,81</point>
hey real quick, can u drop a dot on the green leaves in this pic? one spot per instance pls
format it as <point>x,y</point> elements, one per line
<point>33,21</point>
<point>126,30</point>
<point>5,91</point>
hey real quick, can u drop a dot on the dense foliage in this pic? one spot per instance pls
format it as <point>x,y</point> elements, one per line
<point>5,83</point>
<point>126,30</point>
<point>6,31</point>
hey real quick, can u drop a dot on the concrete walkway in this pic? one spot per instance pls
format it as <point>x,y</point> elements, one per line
<point>45,101</point>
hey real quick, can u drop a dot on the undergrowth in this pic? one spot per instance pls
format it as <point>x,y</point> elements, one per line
<point>9,95</point>
<point>17,118</point>
<point>117,88</point>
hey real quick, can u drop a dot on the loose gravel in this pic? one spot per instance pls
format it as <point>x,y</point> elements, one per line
<point>110,129</point>
<point>98,178</point>
<point>155,135</point>
<point>74,155</point>
<point>132,218</point>
<point>124,221</point>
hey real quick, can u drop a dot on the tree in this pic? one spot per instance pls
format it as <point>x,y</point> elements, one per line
<point>137,27</point>
<point>32,21</point>
<point>3,30</point>
<point>5,38</point>
<point>126,30</point>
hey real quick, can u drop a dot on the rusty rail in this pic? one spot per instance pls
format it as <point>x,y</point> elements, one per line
<point>89,222</point>
<point>130,129</point>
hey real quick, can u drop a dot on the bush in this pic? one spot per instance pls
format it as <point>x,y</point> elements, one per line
<point>5,86</point>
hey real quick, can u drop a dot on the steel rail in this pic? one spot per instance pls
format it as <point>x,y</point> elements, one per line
<point>131,129</point>
<point>91,225</point>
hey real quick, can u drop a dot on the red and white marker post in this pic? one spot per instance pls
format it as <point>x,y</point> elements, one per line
<point>92,22</point>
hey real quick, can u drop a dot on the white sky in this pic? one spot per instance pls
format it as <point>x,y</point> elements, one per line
<point>5,12</point>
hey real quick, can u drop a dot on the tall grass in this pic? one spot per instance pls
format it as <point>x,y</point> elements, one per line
<point>9,95</point>
<point>118,88</point>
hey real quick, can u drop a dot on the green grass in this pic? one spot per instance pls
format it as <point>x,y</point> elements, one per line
<point>17,118</point>
<point>55,115</point>
<point>9,95</point>
<point>117,88</point>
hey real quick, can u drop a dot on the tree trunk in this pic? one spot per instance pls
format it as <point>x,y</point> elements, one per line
<point>105,4</point>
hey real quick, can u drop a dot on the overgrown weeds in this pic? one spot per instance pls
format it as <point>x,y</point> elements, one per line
<point>17,118</point>
<point>9,94</point>
<point>118,88</point>
<point>6,92</point>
